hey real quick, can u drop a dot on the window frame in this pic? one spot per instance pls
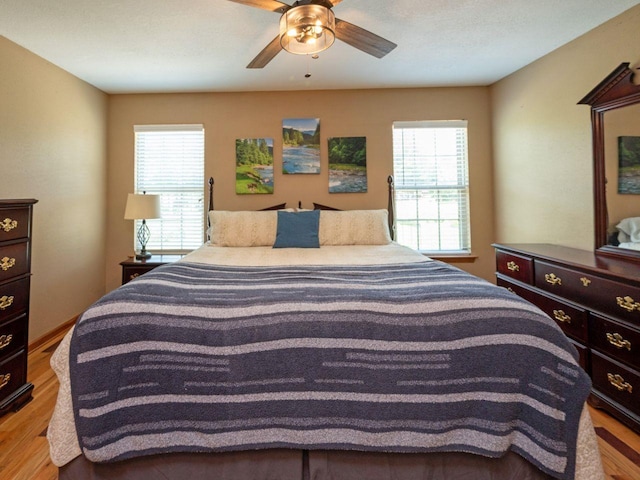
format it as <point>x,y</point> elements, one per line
<point>404,159</point>
<point>194,186</point>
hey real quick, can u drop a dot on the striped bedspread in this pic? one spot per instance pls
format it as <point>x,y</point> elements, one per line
<point>405,358</point>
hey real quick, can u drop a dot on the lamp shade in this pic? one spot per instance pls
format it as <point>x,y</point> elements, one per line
<point>140,206</point>
<point>307,29</point>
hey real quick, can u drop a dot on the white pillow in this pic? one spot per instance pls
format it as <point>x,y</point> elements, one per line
<point>354,227</point>
<point>243,229</point>
<point>631,228</point>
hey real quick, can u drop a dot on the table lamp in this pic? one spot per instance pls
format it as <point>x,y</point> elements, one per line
<point>142,207</point>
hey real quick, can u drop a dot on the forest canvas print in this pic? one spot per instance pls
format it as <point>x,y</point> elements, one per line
<point>300,145</point>
<point>347,165</point>
<point>254,165</point>
<point>629,165</point>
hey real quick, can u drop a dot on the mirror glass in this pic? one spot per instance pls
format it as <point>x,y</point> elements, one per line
<point>622,173</point>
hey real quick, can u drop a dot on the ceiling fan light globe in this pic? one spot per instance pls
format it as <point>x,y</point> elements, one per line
<point>307,29</point>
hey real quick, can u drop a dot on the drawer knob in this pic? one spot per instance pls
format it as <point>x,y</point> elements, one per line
<point>513,266</point>
<point>618,341</point>
<point>561,316</point>
<point>628,304</point>
<point>552,279</point>
<point>618,382</point>
<point>6,263</point>
<point>8,224</point>
<point>5,302</point>
<point>134,275</point>
<point>5,340</point>
<point>4,380</point>
<point>585,281</point>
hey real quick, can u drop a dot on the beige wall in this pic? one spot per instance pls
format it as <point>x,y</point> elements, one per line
<point>228,116</point>
<point>53,148</point>
<point>542,138</point>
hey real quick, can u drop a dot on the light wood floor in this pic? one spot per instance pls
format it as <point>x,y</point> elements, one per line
<point>24,451</point>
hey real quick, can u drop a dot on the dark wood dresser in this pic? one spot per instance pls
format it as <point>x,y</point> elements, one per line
<point>15,276</point>
<point>596,302</point>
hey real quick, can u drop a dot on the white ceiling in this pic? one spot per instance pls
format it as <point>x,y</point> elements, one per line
<point>126,46</point>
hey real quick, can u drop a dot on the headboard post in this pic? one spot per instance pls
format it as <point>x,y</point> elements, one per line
<point>210,193</point>
<point>391,208</point>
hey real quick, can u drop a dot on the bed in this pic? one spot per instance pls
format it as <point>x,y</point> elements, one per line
<point>309,345</point>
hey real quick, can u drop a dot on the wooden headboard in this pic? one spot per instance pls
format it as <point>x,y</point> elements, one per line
<point>319,206</point>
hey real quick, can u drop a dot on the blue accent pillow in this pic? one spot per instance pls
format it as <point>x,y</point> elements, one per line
<point>298,230</point>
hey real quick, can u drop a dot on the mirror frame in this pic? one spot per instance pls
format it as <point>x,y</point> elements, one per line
<point>617,90</point>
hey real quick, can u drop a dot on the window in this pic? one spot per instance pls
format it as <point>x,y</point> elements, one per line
<point>432,185</point>
<point>169,161</point>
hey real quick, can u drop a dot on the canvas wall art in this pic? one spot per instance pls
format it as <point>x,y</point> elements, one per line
<point>347,165</point>
<point>629,165</point>
<point>254,165</point>
<point>300,145</point>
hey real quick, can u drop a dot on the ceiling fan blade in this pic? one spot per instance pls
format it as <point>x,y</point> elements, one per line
<point>363,39</point>
<point>271,5</point>
<point>267,54</point>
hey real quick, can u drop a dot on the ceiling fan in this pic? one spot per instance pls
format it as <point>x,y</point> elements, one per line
<point>309,26</point>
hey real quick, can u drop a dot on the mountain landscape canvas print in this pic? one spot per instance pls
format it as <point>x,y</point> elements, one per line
<point>300,145</point>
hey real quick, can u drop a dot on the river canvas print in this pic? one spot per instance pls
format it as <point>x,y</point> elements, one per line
<point>348,165</point>
<point>300,145</point>
<point>254,165</point>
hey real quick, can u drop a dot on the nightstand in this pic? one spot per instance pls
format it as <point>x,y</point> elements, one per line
<point>132,268</point>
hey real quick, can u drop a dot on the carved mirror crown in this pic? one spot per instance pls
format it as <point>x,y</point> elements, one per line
<point>616,91</point>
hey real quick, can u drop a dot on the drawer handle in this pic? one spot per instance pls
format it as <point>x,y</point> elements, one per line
<point>618,382</point>
<point>628,304</point>
<point>552,279</point>
<point>561,316</point>
<point>134,275</point>
<point>8,224</point>
<point>4,379</point>
<point>513,266</point>
<point>6,263</point>
<point>585,281</point>
<point>618,341</point>
<point>5,302</point>
<point>5,340</point>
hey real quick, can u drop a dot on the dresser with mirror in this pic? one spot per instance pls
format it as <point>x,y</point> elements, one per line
<point>594,296</point>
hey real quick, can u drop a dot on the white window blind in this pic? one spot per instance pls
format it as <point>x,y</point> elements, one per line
<point>430,166</point>
<point>169,161</point>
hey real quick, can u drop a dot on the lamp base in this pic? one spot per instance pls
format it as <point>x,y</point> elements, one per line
<point>143,255</point>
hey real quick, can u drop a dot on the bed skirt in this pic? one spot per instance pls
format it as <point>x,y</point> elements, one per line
<point>282,464</point>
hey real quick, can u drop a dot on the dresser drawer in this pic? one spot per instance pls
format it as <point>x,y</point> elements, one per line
<point>14,223</point>
<point>515,266</point>
<point>583,355</point>
<point>14,260</point>
<point>572,319</point>
<point>615,340</point>
<point>601,294</point>
<point>13,336</point>
<point>12,374</point>
<point>616,381</point>
<point>14,298</point>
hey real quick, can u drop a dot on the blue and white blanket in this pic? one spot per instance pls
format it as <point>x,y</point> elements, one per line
<point>418,357</point>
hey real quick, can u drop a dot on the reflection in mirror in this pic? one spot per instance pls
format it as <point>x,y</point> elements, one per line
<point>622,171</point>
